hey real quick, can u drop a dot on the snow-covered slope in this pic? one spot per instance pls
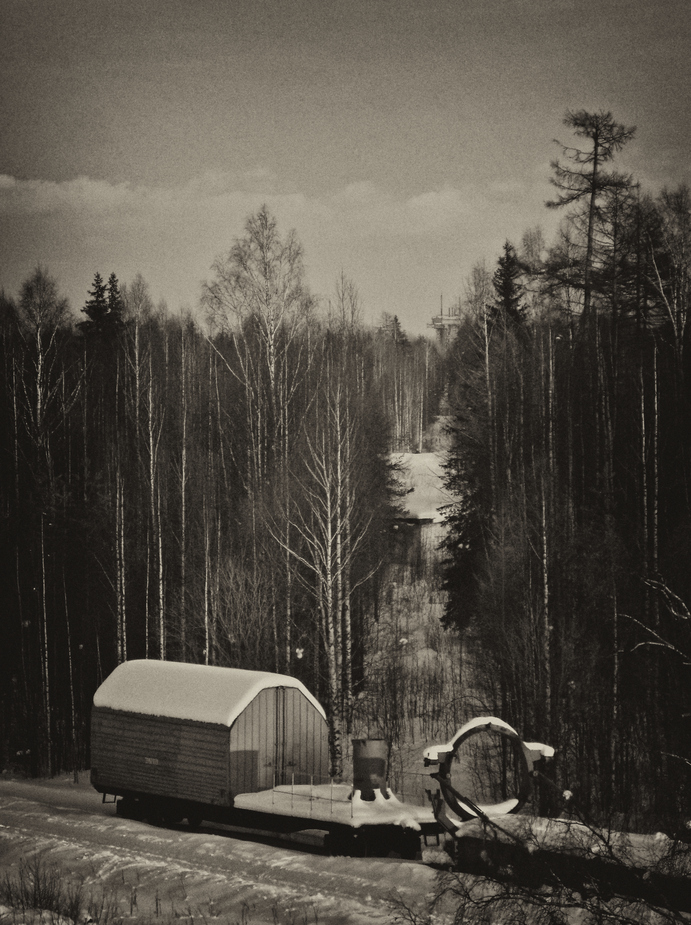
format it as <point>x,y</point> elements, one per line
<point>423,476</point>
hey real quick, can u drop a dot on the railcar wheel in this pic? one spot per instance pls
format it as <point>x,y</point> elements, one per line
<point>129,808</point>
<point>124,808</point>
<point>406,845</point>
<point>340,844</point>
<point>171,817</point>
<point>194,819</point>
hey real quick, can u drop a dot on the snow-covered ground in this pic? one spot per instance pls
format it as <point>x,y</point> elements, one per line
<point>216,873</point>
<point>422,476</point>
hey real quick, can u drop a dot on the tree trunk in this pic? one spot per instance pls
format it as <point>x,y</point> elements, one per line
<point>45,671</point>
<point>183,497</point>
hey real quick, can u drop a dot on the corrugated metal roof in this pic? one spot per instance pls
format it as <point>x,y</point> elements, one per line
<point>204,693</point>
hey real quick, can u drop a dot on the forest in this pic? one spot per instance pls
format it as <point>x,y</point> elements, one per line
<point>568,559</point>
<point>218,487</point>
<point>214,493</point>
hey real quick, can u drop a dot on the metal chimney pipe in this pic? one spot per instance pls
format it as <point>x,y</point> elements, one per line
<point>369,767</point>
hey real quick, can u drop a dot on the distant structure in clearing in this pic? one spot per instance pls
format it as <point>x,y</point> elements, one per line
<point>446,325</point>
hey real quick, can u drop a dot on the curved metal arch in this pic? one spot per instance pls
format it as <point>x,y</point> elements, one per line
<point>527,754</point>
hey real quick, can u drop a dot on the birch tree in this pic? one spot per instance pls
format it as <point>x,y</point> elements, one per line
<point>42,317</point>
<point>259,299</point>
<point>258,295</point>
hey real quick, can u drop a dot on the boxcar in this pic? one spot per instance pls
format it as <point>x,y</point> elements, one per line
<point>179,740</point>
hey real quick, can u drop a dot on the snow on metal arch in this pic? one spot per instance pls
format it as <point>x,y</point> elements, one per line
<point>527,754</point>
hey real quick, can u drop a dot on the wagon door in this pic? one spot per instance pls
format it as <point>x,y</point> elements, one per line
<point>283,721</point>
<point>257,743</point>
<point>305,745</point>
<point>288,715</point>
<point>278,739</point>
<point>270,729</point>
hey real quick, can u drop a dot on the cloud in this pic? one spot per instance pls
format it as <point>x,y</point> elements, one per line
<point>396,248</point>
<point>364,206</point>
<point>41,197</point>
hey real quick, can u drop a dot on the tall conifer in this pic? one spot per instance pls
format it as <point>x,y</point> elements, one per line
<point>508,288</point>
<point>96,306</point>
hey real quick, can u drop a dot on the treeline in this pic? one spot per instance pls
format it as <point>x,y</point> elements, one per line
<point>219,495</point>
<point>569,555</point>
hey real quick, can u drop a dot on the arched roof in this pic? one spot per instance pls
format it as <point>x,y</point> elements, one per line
<point>203,693</point>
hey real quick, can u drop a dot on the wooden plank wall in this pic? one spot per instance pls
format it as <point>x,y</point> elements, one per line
<point>279,738</point>
<point>159,755</point>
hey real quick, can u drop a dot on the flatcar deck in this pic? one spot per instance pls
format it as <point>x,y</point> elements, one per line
<point>336,804</point>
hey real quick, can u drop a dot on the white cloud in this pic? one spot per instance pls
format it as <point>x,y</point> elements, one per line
<point>37,197</point>
<point>396,248</point>
<point>362,207</point>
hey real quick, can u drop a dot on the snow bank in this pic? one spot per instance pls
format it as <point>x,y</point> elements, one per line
<point>382,811</point>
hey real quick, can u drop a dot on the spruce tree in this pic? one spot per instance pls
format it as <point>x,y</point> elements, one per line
<point>114,300</point>
<point>104,306</point>
<point>508,287</point>
<point>96,306</point>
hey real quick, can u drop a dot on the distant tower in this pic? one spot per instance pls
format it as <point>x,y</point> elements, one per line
<point>447,325</point>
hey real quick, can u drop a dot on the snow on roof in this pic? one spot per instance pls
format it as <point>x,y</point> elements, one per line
<point>204,693</point>
<point>422,473</point>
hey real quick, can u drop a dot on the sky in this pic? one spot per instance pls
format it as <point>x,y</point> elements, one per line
<point>403,140</point>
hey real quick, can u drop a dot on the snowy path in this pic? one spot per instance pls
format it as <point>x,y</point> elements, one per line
<point>216,872</point>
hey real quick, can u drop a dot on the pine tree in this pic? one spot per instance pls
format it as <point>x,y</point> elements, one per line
<point>104,306</point>
<point>96,307</point>
<point>509,290</point>
<point>587,180</point>
<point>391,325</point>
<point>114,313</point>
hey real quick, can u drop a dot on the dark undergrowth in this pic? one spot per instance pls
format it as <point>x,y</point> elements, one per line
<point>39,890</point>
